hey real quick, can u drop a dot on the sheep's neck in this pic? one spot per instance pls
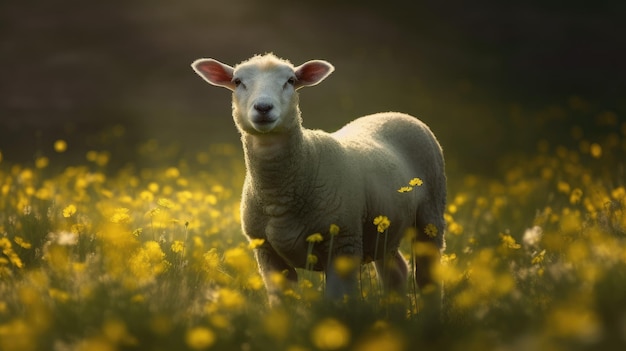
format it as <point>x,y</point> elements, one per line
<point>276,165</point>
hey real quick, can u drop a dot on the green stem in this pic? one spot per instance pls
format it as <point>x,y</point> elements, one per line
<point>330,251</point>
<point>385,258</point>
<point>308,254</point>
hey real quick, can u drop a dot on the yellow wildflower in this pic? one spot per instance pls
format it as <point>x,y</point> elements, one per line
<point>165,203</point>
<point>200,338</point>
<point>416,182</point>
<point>254,243</point>
<point>382,222</point>
<point>405,189</point>
<point>563,187</point>
<point>509,242</point>
<point>595,150</point>
<point>575,196</point>
<point>539,257</point>
<point>22,243</point>
<point>137,232</point>
<point>153,187</point>
<point>231,299</point>
<point>146,196</point>
<point>120,215</point>
<point>60,146</point>
<point>431,231</point>
<point>172,172</point>
<point>618,193</point>
<point>311,259</point>
<point>334,229</point>
<point>178,246</point>
<point>315,238</point>
<point>42,162</point>
<point>330,334</point>
<point>69,211</point>
<point>345,265</point>
<point>7,250</point>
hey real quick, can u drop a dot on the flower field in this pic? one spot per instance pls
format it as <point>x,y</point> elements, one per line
<point>152,258</point>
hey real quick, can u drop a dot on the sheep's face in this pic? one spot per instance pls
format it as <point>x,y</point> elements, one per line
<point>264,90</point>
<point>264,98</point>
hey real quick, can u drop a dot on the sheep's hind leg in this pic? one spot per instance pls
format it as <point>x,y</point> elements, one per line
<point>427,248</point>
<point>393,271</point>
<point>277,275</point>
<point>342,278</point>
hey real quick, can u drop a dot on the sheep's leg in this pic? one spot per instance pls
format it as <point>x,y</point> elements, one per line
<point>342,281</point>
<point>277,274</point>
<point>427,248</point>
<point>393,272</point>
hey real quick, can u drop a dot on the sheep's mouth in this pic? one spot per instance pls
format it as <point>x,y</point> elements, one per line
<point>263,123</point>
<point>263,120</point>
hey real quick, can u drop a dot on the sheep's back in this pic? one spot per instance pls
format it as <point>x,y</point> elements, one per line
<point>384,152</point>
<point>400,135</point>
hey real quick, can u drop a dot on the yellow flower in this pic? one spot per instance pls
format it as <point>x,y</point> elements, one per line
<point>146,196</point>
<point>200,338</point>
<point>405,189</point>
<point>69,211</point>
<point>315,238</point>
<point>431,230</point>
<point>345,265</point>
<point>509,242</point>
<point>330,334</point>
<point>60,146</point>
<point>382,222</point>
<point>311,259</point>
<point>595,150</point>
<point>575,196</point>
<point>416,182</point>
<point>22,243</point>
<point>231,299</point>
<point>166,203</point>
<point>254,243</point>
<point>42,162</point>
<point>137,232</point>
<point>539,257</point>
<point>178,246</point>
<point>120,216</point>
<point>334,229</point>
<point>172,172</point>
<point>153,187</point>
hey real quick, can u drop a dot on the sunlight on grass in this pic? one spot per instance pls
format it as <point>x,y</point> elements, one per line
<point>153,258</point>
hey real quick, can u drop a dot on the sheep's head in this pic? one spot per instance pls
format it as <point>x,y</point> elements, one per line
<point>264,89</point>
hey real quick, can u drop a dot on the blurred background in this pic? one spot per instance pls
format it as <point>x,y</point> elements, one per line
<point>489,77</point>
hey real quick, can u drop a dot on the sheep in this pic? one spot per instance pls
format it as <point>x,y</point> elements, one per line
<point>299,181</point>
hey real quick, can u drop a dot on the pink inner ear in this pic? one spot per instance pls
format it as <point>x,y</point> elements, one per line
<point>215,72</point>
<point>312,72</point>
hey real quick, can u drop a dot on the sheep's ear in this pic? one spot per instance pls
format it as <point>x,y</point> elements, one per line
<point>312,72</point>
<point>215,72</point>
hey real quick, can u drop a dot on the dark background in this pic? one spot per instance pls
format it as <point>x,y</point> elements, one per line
<point>489,77</point>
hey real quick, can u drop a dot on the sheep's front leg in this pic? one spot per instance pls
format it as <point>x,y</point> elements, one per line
<point>392,271</point>
<point>342,277</point>
<point>277,274</point>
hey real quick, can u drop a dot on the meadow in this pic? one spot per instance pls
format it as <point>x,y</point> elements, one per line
<point>150,256</point>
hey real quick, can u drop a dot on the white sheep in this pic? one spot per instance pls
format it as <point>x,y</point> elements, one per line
<point>299,181</point>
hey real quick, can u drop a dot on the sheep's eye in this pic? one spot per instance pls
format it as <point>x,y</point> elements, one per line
<point>291,81</point>
<point>237,82</point>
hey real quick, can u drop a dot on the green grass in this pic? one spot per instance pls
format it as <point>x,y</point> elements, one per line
<point>152,258</point>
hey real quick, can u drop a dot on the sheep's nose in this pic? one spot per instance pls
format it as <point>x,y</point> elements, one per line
<point>263,107</point>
